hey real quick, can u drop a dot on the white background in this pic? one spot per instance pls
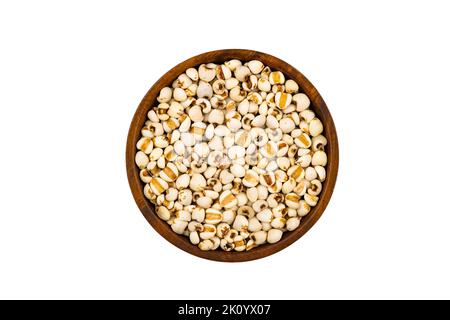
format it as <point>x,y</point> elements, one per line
<point>73,73</point>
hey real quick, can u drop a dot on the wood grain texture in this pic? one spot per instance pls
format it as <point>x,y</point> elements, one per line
<point>317,105</point>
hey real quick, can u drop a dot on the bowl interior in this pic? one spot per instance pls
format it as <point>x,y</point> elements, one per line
<point>317,105</point>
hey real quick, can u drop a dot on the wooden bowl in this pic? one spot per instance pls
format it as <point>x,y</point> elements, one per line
<point>317,105</point>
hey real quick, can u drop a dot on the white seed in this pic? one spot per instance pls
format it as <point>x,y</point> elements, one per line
<point>319,158</point>
<point>272,166</point>
<point>209,132</point>
<point>287,125</point>
<point>206,73</point>
<point>228,141</point>
<point>192,73</point>
<point>233,64</point>
<point>310,173</point>
<point>251,179</point>
<point>311,200</point>
<point>255,66</point>
<point>179,94</point>
<point>259,121</point>
<point>204,89</point>
<point>259,237</point>
<point>318,143</point>
<point>307,115</point>
<point>202,149</point>
<point>225,245</point>
<point>315,187</point>
<point>152,116</point>
<point>213,216</point>
<point>204,104</point>
<point>185,197</point>
<point>227,199</point>
<point>243,107</point>
<point>274,235</point>
<point>231,83</point>
<point>194,238</point>
<point>190,92</point>
<point>265,215</point>
<point>226,177</point>
<point>303,141</point>
<point>183,215</point>
<point>195,113</point>
<point>164,95</point>
<point>291,86</point>
<point>239,243</point>
<point>208,232</point>
<point>250,83</point>
<point>250,244</point>
<point>321,173</point>
<point>206,245</point>
<point>292,200</point>
<point>188,139</point>
<point>259,136</point>
<point>163,213</point>
<point>254,225</point>
<point>197,182</point>
<point>296,172</point>
<point>240,223</point>
<point>142,159</point>
<point>292,223</point>
<point>204,202</point>
<point>282,100</point>
<point>145,144</point>
<point>228,216</point>
<point>234,125</point>
<point>237,94</point>
<point>161,163</point>
<point>221,131</point>
<point>243,139</point>
<point>278,223</point>
<point>223,72</point>
<point>237,170</point>
<point>264,85</point>
<point>252,194</point>
<point>301,187</point>
<point>219,87</point>
<point>283,163</point>
<point>301,101</point>
<point>241,198</point>
<point>304,208</point>
<point>169,173</point>
<point>209,172</point>
<point>216,116</point>
<point>198,214</point>
<point>276,77</point>
<point>185,125</point>
<point>236,152</point>
<point>179,226</point>
<point>262,196</point>
<point>315,127</point>
<point>222,229</point>
<point>179,147</point>
<point>246,211</point>
<point>304,160</point>
<point>183,181</point>
<point>241,73</point>
<point>272,122</point>
<point>161,141</point>
<point>145,176</point>
<point>266,226</point>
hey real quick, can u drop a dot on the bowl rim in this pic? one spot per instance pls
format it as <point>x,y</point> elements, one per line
<point>317,105</point>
